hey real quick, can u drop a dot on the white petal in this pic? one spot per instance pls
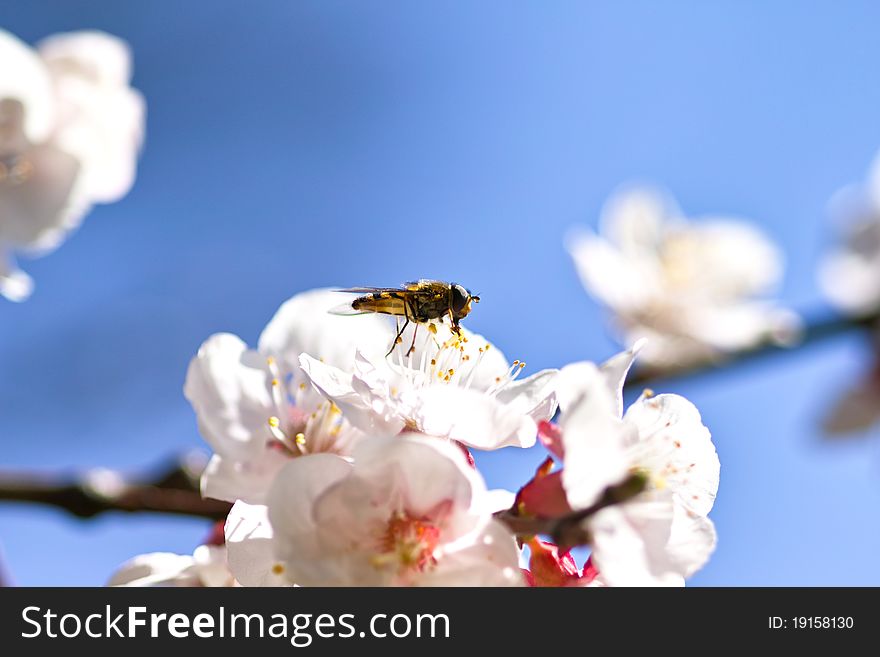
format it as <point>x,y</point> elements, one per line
<point>291,504</point>
<point>426,473</point>
<point>101,119</point>
<point>715,248</point>
<point>490,558</point>
<point>674,445</point>
<point>472,418</point>
<point>498,499</point>
<point>692,540</point>
<point>211,566</point>
<point>26,79</point>
<point>636,218</point>
<point>615,370</point>
<point>39,211</point>
<point>246,477</point>
<point>371,415</point>
<point>98,56</point>
<point>15,285</point>
<point>157,569</point>
<point>249,547</point>
<point>534,396</point>
<point>630,544</point>
<point>623,283</point>
<point>594,439</point>
<point>304,325</point>
<point>228,387</point>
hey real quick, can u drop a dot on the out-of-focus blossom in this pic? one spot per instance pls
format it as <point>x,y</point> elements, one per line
<point>70,131</point>
<point>406,510</point>
<point>692,288</point>
<point>850,274</point>
<point>205,567</point>
<point>849,277</point>
<point>457,387</point>
<point>662,535</point>
<point>257,409</point>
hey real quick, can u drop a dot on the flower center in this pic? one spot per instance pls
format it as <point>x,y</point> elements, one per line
<point>455,361</point>
<point>15,170</point>
<point>408,543</point>
<point>300,431</point>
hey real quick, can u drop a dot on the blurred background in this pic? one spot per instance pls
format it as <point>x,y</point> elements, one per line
<point>295,145</point>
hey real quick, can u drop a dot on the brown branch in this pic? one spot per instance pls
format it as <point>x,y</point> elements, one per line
<point>569,530</point>
<point>813,332</point>
<point>173,489</point>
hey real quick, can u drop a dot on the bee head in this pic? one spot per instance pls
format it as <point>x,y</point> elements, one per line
<point>461,301</point>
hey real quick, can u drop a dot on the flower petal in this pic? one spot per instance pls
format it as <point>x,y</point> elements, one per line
<point>228,387</point>
<point>673,444</point>
<point>490,558</point>
<point>594,438</point>
<point>26,79</point>
<point>304,325</point>
<point>371,415</point>
<point>615,370</point>
<point>472,418</point>
<point>249,547</point>
<point>157,569</point>
<point>291,500</point>
<point>630,544</point>
<point>534,396</point>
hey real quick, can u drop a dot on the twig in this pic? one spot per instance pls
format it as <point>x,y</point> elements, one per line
<point>812,332</point>
<point>569,531</point>
<point>174,489</point>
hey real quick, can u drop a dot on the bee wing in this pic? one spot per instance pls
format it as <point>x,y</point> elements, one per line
<point>369,290</point>
<point>346,309</point>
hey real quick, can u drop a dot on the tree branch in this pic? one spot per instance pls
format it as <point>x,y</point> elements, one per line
<point>568,531</point>
<point>813,332</point>
<point>173,489</point>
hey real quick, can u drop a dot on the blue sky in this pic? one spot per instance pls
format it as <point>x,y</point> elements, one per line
<point>295,145</point>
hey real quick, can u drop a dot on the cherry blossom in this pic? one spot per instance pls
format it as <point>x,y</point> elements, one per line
<point>662,535</point>
<point>206,567</point>
<point>257,409</point>
<point>406,510</point>
<point>684,285</point>
<point>70,131</point>
<point>457,387</point>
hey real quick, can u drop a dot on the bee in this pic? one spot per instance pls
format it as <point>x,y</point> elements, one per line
<point>420,302</point>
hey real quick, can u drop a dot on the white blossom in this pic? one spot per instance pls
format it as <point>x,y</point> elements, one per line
<point>457,387</point>
<point>257,409</point>
<point>406,510</point>
<point>850,274</point>
<point>70,131</point>
<point>692,288</point>
<point>206,567</point>
<point>662,535</point>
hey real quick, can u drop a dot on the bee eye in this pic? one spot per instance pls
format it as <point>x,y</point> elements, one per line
<point>460,298</point>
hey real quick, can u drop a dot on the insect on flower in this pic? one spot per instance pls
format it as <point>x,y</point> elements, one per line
<point>421,302</point>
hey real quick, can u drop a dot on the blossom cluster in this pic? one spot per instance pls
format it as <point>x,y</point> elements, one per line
<point>348,467</point>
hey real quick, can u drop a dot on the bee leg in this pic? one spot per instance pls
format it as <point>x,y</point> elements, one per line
<point>397,337</point>
<point>455,327</point>
<point>412,347</point>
